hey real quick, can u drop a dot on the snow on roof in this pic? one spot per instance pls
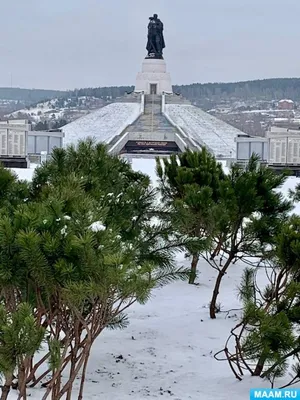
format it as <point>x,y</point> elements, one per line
<point>205,128</point>
<point>103,124</point>
<point>286,101</point>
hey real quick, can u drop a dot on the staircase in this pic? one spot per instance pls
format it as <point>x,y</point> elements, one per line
<point>152,125</point>
<point>152,121</point>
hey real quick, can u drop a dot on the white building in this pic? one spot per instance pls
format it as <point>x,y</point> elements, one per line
<point>284,146</point>
<point>247,145</point>
<point>41,142</point>
<point>154,78</point>
<point>280,149</point>
<point>13,143</point>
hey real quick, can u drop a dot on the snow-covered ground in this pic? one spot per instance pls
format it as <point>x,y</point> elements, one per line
<point>57,109</point>
<point>167,350</point>
<point>205,128</point>
<point>103,124</point>
<point>25,173</point>
<point>40,110</point>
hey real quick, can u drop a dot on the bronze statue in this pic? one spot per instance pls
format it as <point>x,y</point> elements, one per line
<point>156,42</point>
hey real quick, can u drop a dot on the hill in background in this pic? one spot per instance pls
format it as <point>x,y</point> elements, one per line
<point>248,106</point>
<point>29,95</point>
<point>265,89</point>
<point>208,95</point>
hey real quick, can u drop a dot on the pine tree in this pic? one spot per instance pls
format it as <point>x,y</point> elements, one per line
<point>20,338</point>
<point>249,214</point>
<point>267,338</point>
<point>80,251</point>
<point>190,184</point>
<point>234,216</point>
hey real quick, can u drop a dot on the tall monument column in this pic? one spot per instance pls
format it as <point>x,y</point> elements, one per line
<point>154,78</point>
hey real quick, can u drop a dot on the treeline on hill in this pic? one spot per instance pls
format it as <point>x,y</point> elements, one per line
<point>34,96</point>
<point>103,92</point>
<point>29,95</point>
<point>265,89</point>
<point>46,125</point>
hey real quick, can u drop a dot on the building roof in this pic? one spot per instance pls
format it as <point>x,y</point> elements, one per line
<point>286,101</point>
<point>215,134</point>
<point>103,124</point>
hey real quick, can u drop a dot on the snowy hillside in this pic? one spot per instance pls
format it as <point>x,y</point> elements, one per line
<point>204,128</point>
<point>40,111</point>
<point>7,106</point>
<point>168,349</point>
<point>58,109</point>
<point>102,124</point>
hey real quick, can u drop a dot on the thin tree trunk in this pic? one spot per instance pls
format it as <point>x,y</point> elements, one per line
<point>74,359</point>
<point>57,373</point>
<point>69,385</point>
<point>80,396</point>
<point>193,272</point>
<point>33,370</point>
<point>36,381</point>
<point>56,387</point>
<point>6,387</point>
<point>22,382</point>
<point>45,384</point>
<point>260,365</point>
<point>5,392</point>
<point>262,359</point>
<point>213,303</point>
<point>216,250</point>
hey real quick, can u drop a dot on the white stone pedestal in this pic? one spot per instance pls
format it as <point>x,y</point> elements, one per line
<point>154,78</point>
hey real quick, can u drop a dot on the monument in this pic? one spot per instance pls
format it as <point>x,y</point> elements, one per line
<point>154,78</point>
<point>156,41</point>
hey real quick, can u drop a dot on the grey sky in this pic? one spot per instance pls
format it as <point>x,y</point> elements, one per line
<point>63,44</point>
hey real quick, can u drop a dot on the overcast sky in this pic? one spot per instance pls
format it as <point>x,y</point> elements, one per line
<point>66,44</point>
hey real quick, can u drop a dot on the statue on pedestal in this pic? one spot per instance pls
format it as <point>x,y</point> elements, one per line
<point>156,42</point>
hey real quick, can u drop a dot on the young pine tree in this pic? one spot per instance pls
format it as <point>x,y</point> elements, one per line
<point>247,218</point>
<point>234,216</point>
<point>81,250</point>
<point>190,185</point>
<point>267,338</point>
<point>20,338</point>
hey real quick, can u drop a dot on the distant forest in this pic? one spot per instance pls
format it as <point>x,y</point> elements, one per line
<point>29,95</point>
<point>110,92</point>
<point>265,89</point>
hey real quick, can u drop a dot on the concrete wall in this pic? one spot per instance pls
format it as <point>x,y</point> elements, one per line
<point>284,150</point>
<point>118,146</point>
<point>176,99</point>
<point>13,138</point>
<point>245,147</point>
<point>278,148</point>
<point>284,146</point>
<point>43,141</point>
